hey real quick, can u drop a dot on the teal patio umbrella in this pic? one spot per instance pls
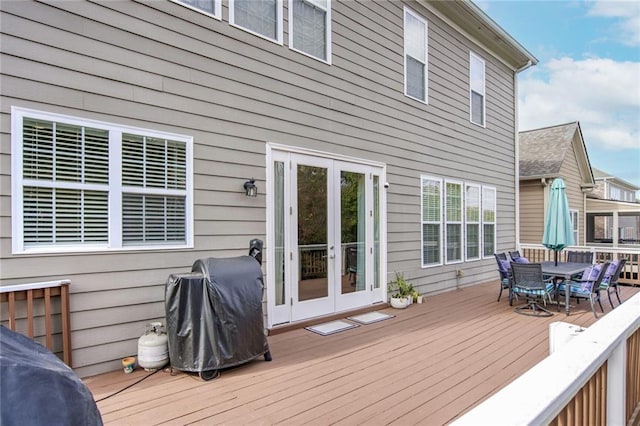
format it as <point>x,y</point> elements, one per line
<point>558,232</point>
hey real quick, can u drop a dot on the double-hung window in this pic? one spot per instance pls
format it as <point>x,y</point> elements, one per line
<point>488,220</point>
<point>477,89</point>
<point>261,17</point>
<point>88,185</point>
<point>457,220</point>
<point>415,56</point>
<point>310,27</point>
<point>431,189</point>
<point>472,221</point>
<point>453,220</point>
<point>210,7</point>
<point>574,225</point>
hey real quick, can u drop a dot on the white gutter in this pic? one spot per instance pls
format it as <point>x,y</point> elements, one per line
<point>517,148</point>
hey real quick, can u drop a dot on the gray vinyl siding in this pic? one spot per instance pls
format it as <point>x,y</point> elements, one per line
<point>531,211</point>
<point>570,171</point>
<point>161,66</point>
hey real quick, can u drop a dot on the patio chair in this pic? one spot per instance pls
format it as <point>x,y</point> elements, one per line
<point>580,256</point>
<point>505,274</point>
<point>529,282</point>
<point>610,281</point>
<point>588,289</point>
<point>514,255</point>
<point>352,264</point>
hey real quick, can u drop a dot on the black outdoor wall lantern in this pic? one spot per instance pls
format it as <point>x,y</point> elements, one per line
<point>250,188</point>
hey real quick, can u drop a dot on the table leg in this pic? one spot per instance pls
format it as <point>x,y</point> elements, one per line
<point>566,294</point>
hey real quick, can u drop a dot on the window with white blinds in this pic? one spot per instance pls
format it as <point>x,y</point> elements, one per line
<point>149,166</point>
<point>453,219</point>
<point>261,17</point>
<point>310,27</point>
<point>431,221</point>
<point>476,89</point>
<point>81,184</point>
<point>472,221</point>
<point>415,56</point>
<point>453,232</point>
<point>488,221</point>
<point>210,7</point>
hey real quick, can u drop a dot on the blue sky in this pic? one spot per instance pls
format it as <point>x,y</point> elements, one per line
<point>588,71</point>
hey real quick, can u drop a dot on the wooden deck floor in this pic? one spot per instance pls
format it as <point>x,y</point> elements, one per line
<point>427,365</point>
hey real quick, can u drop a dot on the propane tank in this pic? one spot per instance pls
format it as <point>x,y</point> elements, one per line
<point>153,349</point>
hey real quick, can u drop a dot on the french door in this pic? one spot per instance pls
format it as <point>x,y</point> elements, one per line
<point>324,236</point>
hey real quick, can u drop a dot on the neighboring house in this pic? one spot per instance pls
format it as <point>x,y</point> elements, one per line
<point>613,205</point>
<point>545,154</point>
<point>381,136</point>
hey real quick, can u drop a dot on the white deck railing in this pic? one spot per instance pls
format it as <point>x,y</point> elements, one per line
<point>542,393</point>
<point>629,275</point>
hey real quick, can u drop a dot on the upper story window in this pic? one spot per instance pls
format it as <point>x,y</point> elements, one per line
<point>210,7</point>
<point>261,17</point>
<point>477,89</point>
<point>310,27</point>
<point>415,56</point>
<point>83,185</point>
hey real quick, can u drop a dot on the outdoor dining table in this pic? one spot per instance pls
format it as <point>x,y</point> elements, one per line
<point>564,270</point>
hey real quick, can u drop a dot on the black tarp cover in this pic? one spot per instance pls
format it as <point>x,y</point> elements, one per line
<point>214,315</point>
<point>37,388</point>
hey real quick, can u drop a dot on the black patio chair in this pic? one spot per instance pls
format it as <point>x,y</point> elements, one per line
<point>352,264</point>
<point>580,256</point>
<point>589,289</point>
<point>611,281</point>
<point>528,281</point>
<point>515,255</point>
<point>505,274</point>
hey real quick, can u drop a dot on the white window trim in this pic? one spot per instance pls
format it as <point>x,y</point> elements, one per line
<point>495,219</point>
<point>426,54</point>
<point>423,222</point>
<point>460,223</point>
<point>115,184</point>
<point>327,31</point>
<point>484,90</point>
<point>217,8</point>
<point>279,25</point>
<point>478,223</point>
<point>575,227</point>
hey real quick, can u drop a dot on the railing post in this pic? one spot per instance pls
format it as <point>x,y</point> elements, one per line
<point>616,385</point>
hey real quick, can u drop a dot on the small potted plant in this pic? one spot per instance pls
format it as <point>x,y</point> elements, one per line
<point>401,292</point>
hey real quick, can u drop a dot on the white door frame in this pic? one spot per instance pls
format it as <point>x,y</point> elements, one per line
<point>286,311</point>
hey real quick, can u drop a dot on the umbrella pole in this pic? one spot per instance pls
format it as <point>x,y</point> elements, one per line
<point>556,257</point>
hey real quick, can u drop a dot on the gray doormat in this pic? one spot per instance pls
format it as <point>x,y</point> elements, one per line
<point>331,327</point>
<point>370,317</point>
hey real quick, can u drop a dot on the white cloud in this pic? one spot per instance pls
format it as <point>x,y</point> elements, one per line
<point>602,94</point>
<point>627,30</point>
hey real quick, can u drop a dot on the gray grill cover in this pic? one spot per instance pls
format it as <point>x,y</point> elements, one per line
<point>37,388</point>
<point>214,315</point>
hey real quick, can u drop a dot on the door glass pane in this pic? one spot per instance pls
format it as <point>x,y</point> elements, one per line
<point>352,219</point>
<point>376,232</point>
<point>312,233</point>
<point>279,237</point>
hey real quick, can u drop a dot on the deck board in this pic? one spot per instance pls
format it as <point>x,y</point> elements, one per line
<point>429,364</point>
